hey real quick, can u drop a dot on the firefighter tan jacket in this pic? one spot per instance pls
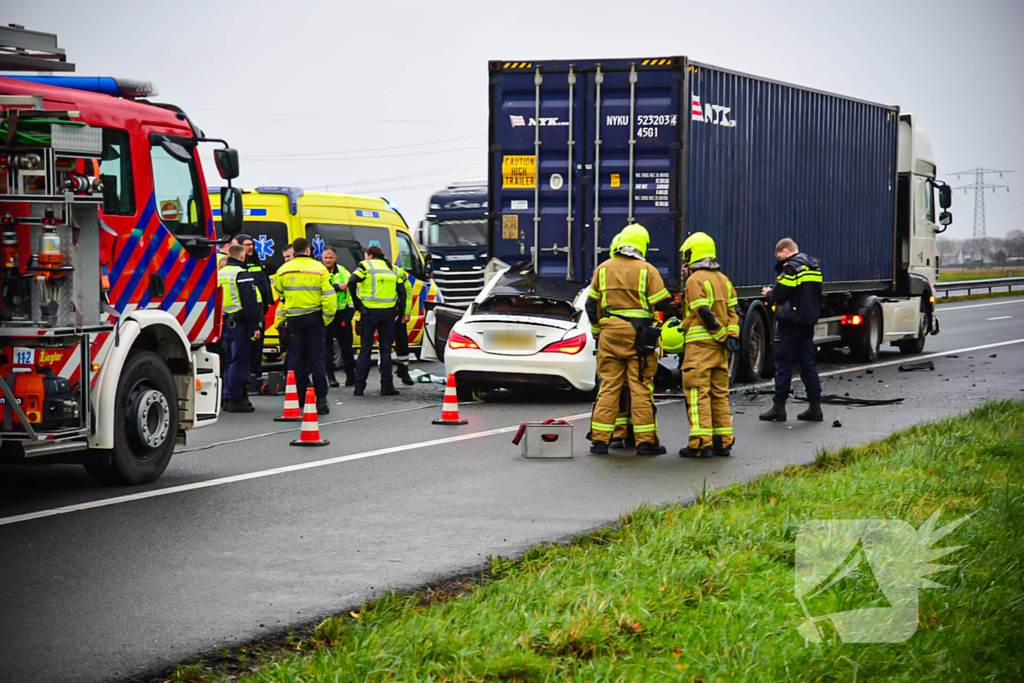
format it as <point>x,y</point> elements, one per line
<point>713,289</point>
<point>626,287</point>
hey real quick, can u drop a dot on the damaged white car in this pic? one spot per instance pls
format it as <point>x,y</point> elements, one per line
<point>523,330</point>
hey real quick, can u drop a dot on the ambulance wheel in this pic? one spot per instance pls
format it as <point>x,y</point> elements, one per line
<point>145,423</point>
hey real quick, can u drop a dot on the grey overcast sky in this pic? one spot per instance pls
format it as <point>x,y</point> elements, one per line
<point>391,98</point>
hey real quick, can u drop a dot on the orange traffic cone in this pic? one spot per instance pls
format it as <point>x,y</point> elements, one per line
<point>450,409</point>
<point>291,413</point>
<point>310,435</point>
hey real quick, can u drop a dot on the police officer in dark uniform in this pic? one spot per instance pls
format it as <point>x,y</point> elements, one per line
<point>265,296</point>
<point>797,300</point>
<point>243,321</point>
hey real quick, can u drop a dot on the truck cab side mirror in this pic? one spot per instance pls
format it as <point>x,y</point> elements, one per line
<point>227,163</point>
<point>945,198</point>
<point>231,211</point>
<point>945,218</point>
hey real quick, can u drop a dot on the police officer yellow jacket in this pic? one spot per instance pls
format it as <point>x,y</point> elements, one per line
<point>304,286</point>
<point>375,285</point>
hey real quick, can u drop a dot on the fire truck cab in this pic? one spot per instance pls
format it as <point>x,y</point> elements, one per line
<point>108,275</point>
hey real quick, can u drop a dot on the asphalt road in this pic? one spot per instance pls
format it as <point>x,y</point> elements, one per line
<point>244,535</point>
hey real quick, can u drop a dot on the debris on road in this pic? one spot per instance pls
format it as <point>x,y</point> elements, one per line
<point>837,423</point>
<point>920,365</point>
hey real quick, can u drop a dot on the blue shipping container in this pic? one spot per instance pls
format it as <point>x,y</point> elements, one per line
<point>581,148</point>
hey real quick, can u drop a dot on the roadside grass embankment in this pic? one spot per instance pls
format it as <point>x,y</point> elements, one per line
<point>954,274</point>
<point>705,592</point>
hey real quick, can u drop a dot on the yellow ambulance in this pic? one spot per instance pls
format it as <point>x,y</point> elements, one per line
<point>276,216</point>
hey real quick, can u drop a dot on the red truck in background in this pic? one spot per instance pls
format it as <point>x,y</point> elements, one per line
<point>108,270</point>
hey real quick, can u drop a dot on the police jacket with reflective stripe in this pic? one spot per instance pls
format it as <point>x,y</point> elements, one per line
<point>304,286</point>
<point>239,289</point>
<point>261,279</point>
<point>625,287</point>
<point>711,288</point>
<point>374,285</point>
<point>797,293</point>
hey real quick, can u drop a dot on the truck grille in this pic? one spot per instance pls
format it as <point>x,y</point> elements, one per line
<point>459,288</point>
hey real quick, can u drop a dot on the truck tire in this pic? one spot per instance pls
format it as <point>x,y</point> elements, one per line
<point>755,340</point>
<point>145,423</point>
<point>914,346</point>
<point>871,341</point>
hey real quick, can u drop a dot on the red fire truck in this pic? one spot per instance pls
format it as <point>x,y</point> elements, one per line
<point>108,272</point>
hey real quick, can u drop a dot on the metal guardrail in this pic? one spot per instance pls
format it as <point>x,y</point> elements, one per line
<point>996,282</point>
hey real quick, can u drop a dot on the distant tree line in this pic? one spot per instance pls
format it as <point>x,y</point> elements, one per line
<point>993,250</point>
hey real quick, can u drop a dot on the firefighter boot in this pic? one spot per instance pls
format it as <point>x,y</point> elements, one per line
<point>648,448</point>
<point>777,413</point>
<point>687,452</point>
<point>813,412</point>
<point>718,449</point>
<point>599,448</point>
<point>403,374</point>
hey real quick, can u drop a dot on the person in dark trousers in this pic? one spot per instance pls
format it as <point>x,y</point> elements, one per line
<point>308,303</point>
<point>379,300</point>
<point>797,300</point>
<point>265,295</point>
<point>243,321</point>
<point>340,328</point>
<point>401,364</point>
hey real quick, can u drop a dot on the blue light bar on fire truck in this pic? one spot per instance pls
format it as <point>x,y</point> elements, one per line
<point>128,88</point>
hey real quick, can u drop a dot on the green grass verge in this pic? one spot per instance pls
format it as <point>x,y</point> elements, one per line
<point>706,592</point>
<point>975,297</point>
<point>975,274</point>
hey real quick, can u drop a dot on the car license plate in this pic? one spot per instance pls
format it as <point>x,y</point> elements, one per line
<point>506,340</point>
<point>820,330</point>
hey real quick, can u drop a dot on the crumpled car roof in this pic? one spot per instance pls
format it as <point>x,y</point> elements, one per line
<point>526,283</point>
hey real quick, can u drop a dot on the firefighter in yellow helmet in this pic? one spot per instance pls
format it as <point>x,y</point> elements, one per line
<point>711,326</point>
<point>624,294</point>
<point>623,436</point>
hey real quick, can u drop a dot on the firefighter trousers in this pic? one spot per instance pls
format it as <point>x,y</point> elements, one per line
<point>706,385</point>
<point>619,365</point>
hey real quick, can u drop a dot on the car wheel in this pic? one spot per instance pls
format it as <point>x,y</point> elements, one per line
<point>145,423</point>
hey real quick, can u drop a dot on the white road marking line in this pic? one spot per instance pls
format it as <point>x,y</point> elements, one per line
<point>1000,317</point>
<point>909,359</point>
<point>943,309</point>
<point>296,429</point>
<point>260,474</point>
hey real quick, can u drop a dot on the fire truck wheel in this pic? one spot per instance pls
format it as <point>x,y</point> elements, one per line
<point>145,422</point>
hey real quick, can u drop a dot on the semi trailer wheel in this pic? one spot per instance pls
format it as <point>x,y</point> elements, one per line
<point>755,339</point>
<point>872,339</point>
<point>145,423</point>
<point>913,346</point>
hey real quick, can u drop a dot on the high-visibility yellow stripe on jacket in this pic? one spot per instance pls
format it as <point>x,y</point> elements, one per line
<point>226,278</point>
<point>378,284</point>
<point>340,277</point>
<point>304,286</point>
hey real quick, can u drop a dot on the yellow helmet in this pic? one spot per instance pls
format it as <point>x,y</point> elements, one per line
<point>615,244</point>
<point>635,235</point>
<point>673,339</point>
<point>697,247</point>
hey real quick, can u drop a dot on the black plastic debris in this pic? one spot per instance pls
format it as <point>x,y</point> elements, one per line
<point>920,365</point>
<point>837,423</point>
<point>847,400</point>
<point>993,355</point>
<point>869,371</point>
